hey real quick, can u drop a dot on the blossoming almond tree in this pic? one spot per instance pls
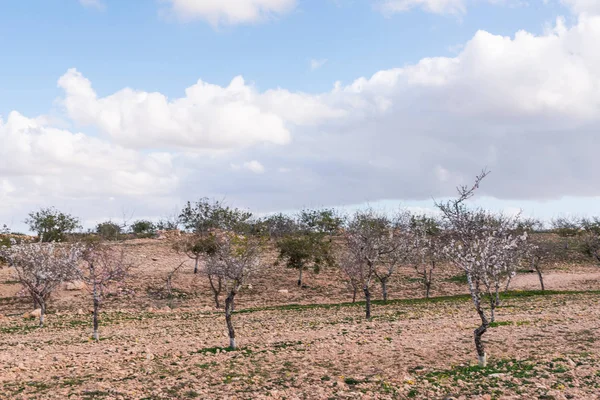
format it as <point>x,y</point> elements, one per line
<point>396,249</point>
<point>428,248</point>
<point>235,259</point>
<point>42,267</point>
<point>487,248</point>
<point>103,266</point>
<point>375,245</point>
<point>540,253</point>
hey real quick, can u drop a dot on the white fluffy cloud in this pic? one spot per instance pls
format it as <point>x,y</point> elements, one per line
<point>554,76</point>
<point>515,104</point>
<point>42,164</point>
<point>583,6</point>
<point>230,12</point>
<point>209,117</point>
<point>526,106</point>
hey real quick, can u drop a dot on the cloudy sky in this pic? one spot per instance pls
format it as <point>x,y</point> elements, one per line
<point>110,107</point>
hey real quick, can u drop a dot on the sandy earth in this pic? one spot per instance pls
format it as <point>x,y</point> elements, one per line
<point>558,281</point>
<point>543,347</point>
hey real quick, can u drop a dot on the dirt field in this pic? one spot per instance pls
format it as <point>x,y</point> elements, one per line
<point>304,344</point>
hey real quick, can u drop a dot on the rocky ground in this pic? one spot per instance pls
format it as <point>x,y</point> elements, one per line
<point>303,344</point>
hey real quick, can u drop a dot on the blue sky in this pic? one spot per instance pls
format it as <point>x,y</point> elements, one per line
<point>426,96</point>
<point>131,44</point>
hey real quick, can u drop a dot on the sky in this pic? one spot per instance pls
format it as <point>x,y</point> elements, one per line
<point>112,108</point>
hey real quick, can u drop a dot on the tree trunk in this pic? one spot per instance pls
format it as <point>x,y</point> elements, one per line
<point>196,266</point>
<point>508,281</point>
<point>539,272</point>
<point>228,311</point>
<point>96,309</point>
<point>368,302</point>
<point>474,289</point>
<point>479,344</point>
<point>215,289</point>
<point>217,304</point>
<point>480,331</point>
<point>43,312</point>
<point>536,266</point>
<point>355,289</point>
<point>428,280</point>
<point>300,278</point>
<point>384,288</point>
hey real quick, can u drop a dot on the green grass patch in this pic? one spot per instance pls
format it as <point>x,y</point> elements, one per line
<point>285,345</point>
<point>462,278</point>
<point>500,323</point>
<point>206,365</point>
<point>441,299</point>
<point>469,373</point>
<point>18,329</point>
<point>217,349</point>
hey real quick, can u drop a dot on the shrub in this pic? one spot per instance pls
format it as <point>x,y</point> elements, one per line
<point>108,230</point>
<point>167,225</point>
<point>52,225</point>
<point>206,215</point>
<point>143,228</point>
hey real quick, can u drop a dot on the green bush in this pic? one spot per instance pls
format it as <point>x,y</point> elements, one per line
<point>143,228</point>
<point>108,230</point>
<point>52,225</point>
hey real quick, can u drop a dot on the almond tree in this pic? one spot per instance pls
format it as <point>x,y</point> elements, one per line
<point>428,248</point>
<point>566,227</point>
<point>396,250</point>
<point>103,267</point>
<point>591,237</point>
<point>358,271</point>
<point>212,266</point>
<point>170,276</point>
<point>373,246</point>
<point>212,222</point>
<point>212,271</point>
<point>234,261</point>
<point>538,254</point>
<point>349,272</point>
<point>487,248</point>
<point>42,267</point>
